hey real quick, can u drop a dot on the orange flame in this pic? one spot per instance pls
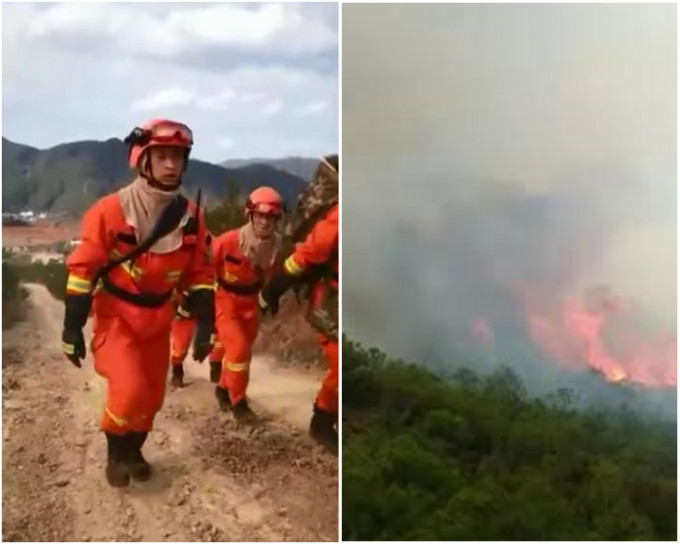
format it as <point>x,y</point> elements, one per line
<point>571,333</point>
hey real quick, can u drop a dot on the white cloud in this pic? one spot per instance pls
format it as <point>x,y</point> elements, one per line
<point>97,70</point>
<point>217,101</point>
<point>312,108</point>
<point>249,98</point>
<point>273,108</point>
<point>180,29</point>
<point>163,99</point>
<point>226,143</point>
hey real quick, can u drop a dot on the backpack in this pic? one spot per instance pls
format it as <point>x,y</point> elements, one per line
<point>312,205</point>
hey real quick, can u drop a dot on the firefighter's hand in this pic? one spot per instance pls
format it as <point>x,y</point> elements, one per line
<point>204,341</point>
<point>73,344</point>
<point>268,303</point>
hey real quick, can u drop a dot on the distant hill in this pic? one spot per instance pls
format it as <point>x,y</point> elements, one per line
<point>70,176</point>
<point>302,167</point>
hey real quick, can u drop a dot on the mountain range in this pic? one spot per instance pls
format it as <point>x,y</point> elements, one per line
<point>70,176</point>
<point>302,167</point>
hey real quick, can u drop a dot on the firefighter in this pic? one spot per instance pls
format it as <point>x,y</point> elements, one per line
<point>139,246</point>
<point>183,327</point>
<point>315,260</point>
<point>244,258</point>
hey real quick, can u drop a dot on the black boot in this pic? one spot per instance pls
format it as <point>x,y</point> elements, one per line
<point>117,470</point>
<point>215,371</point>
<point>223,398</point>
<point>177,376</point>
<point>242,411</point>
<point>140,469</point>
<point>322,429</point>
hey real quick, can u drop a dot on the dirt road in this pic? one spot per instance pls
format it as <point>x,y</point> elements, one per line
<point>214,480</point>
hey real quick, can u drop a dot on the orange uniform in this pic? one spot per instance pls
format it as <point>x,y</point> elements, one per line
<point>320,247</point>
<point>236,311</point>
<point>180,338</point>
<point>132,309</point>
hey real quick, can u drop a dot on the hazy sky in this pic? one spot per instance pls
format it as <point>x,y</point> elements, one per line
<point>485,145</point>
<point>250,79</point>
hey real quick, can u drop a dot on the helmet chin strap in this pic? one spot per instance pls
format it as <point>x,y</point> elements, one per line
<point>161,186</point>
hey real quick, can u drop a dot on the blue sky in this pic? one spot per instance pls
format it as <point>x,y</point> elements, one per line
<point>252,80</point>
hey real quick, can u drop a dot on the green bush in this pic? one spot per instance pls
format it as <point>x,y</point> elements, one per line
<point>52,275</point>
<point>229,214</point>
<point>476,458</point>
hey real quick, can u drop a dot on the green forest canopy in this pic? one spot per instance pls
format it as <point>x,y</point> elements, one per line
<point>475,458</point>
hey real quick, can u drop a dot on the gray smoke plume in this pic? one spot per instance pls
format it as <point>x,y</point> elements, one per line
<point>489,147</point>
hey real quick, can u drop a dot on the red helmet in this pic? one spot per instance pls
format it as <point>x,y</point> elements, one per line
<point>158,132</point>
<point>264,200</point>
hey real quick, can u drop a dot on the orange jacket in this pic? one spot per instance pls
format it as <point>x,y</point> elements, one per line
<point>319,248</point>
<point>238,281</point>
<point>105,235</point>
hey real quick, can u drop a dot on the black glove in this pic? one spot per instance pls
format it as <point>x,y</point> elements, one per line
<point>268,298</point>
<point>201,303</point>
<point>203,341</point>
<point>215,371</point>
<point>75,317</point>
<point>73,344</point>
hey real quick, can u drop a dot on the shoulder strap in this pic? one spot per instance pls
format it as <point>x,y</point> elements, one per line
<point>192,224</point>
<point>168,221</point>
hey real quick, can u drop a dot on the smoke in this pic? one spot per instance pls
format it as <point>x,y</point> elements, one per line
<point>487,148</point>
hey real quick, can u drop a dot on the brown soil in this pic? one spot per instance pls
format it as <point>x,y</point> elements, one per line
<point>40,233</point>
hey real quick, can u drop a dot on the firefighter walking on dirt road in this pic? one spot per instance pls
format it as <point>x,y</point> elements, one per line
<point>314,261</point>
<point>139,246</point>
<point>245,259</point>
<point>183,327</point>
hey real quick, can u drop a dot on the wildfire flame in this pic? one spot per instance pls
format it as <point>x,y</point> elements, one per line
<point>581,332</point>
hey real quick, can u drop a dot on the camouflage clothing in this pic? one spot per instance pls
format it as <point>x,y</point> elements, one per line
<point>313,203</point>
<point>323,314</point>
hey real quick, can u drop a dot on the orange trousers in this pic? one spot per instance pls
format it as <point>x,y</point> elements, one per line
<point>327,397</point>
<point>135,370</point>
<point>181,337</point>
<point>237,334</point>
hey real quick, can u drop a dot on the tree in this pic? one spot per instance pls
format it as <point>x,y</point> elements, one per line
<point>229,214</point>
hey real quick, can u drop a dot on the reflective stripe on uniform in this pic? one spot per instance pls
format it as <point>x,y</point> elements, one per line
<point>237,367</point>
<point>133,271</point>
<point>78,285</point>
<point>121,422</point>
<point>293,268</point>
<point>230,278</point>
<point>173,275</point>
<point>199,286</point>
